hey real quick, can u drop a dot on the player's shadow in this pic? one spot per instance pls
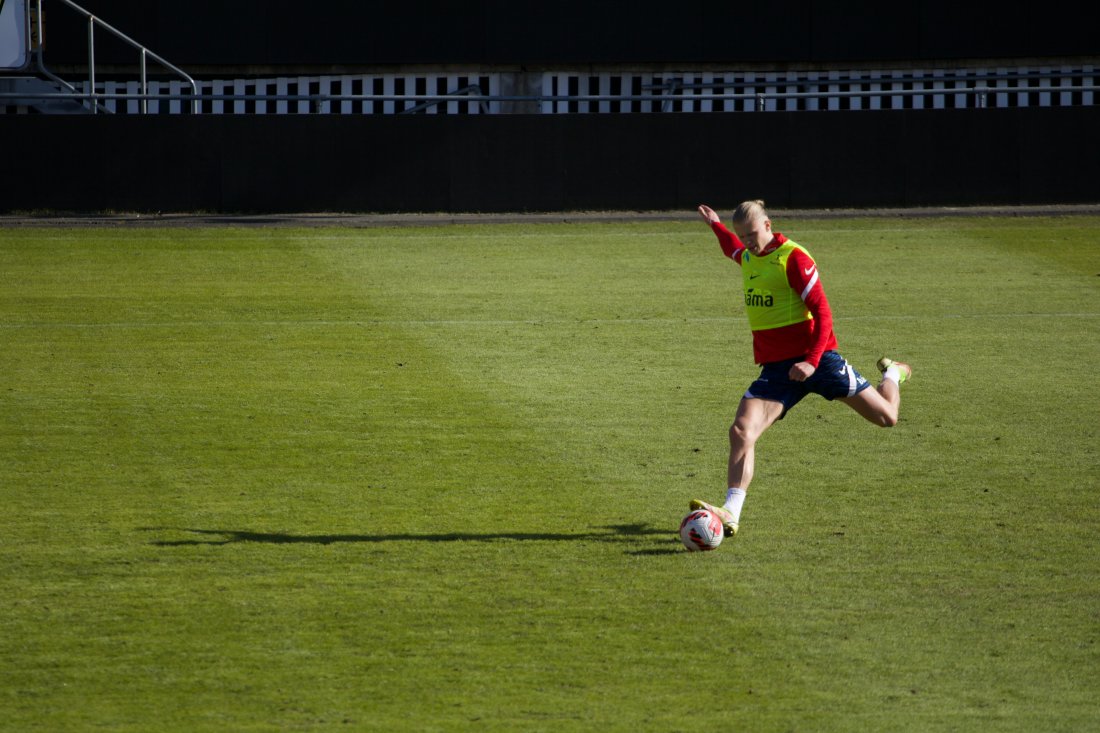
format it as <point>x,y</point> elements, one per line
<point>630,535</point>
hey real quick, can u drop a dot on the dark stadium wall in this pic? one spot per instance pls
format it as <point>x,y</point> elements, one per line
<point>506,163</point>
<point>251,34</point>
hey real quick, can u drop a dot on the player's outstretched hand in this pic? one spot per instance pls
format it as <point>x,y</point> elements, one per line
<point>709,214</point>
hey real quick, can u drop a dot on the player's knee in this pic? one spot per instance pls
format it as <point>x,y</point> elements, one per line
<point>740,435</point>
<point>888,419</point>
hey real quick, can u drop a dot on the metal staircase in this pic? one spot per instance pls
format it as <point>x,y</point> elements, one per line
<point>39,89</point>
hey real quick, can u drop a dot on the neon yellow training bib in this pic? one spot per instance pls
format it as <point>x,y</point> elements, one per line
<point>770,301</point>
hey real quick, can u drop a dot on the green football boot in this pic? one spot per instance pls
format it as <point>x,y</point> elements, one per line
<point>905,372</point>
<point>728,524</point>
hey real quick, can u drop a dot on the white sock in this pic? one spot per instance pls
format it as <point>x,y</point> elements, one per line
<point>893,374</point>
<point>735,499</point>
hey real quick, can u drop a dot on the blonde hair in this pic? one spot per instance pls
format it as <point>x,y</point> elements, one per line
<point>748,211</point>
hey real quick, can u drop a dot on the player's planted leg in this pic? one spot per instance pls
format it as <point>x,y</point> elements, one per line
<point>754,416</point>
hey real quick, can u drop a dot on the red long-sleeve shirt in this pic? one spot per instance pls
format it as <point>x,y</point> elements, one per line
<point>806,340</point>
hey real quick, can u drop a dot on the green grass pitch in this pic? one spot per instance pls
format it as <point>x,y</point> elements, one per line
<point>429,479</point>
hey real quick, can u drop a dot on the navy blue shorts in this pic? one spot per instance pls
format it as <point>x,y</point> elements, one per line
<point>835,378</point>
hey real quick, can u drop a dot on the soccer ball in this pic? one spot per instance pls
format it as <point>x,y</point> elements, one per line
<point>701,531</point>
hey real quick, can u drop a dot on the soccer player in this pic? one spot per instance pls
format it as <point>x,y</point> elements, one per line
<point>793,342</point>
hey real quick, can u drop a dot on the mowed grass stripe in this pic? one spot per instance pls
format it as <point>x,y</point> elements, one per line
<point>244,472</point>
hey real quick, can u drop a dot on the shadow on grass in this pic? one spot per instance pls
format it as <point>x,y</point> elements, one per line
<point>629,534</point>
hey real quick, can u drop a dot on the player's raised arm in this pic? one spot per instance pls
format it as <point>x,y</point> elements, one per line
<point>731,245</point>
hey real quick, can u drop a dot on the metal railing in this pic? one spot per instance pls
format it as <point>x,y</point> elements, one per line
<point>466,93</point>
<point>570,92</point>
<point>422,102</point>
<point>91,98</point>
<point>670,90</point>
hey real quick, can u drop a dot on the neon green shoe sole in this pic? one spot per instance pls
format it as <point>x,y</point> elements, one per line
<point>905,372</point>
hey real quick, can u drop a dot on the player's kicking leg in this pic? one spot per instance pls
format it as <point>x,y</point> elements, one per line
<point>881,405</point>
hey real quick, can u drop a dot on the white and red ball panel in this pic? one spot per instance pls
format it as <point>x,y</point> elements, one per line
<point>701,531</point>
